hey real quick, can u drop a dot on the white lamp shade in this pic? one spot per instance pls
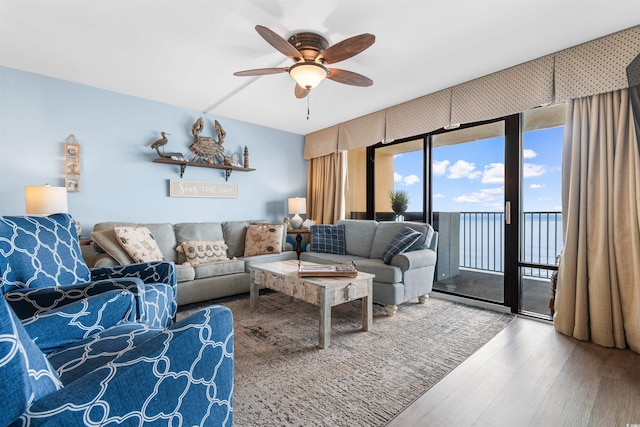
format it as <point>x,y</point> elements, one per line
<point>297,205</point>
<point>308,74</point>
<point>46,200</point>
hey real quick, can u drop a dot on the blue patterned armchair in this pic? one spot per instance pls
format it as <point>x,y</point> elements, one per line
<point>100,347</point>
<point>85,363</point>
<point>41,267</point>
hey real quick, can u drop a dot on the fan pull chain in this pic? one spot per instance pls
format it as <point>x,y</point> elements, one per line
<point>308,96</point>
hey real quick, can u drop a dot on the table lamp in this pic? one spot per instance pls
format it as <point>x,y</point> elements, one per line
<point>297,205</point>
<point>46,200</point>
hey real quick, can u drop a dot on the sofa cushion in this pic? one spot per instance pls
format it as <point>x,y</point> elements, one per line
<point>139,243</point>
<point>329,239</point>
<point>403,239</point>
<point>108,242</point>
<point>201,252</point>
<point>220,268</point>
<point>358,236</point>
<point>91,353</point>
<point>384,273</point>
<point>25,373</point>
<point>387,230</point>
<point>263,239</point>
<point>52,240</point>
<point>185,272</point>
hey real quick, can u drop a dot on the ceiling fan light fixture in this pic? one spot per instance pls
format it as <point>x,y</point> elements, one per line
<point>308,74</point>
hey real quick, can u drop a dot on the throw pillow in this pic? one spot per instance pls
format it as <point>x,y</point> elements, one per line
<point>402,241</point>
<point>202,252</point>
<point>328,239</point>
<point>262,239</point>
<point>139,243</point>
<point>109,243</point>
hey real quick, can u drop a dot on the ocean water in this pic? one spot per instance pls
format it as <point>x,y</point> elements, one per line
<point>482,240</point>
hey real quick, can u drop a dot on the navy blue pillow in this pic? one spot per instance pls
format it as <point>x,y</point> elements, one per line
<point>328,239</point>
<point>402,241</point>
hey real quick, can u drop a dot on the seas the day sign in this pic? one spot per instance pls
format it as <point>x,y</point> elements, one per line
<point>180,188</point>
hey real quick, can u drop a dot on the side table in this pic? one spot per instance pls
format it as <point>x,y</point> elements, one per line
<point>299,232</point>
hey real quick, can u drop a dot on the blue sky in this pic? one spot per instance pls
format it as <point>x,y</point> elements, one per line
<point>470,177</point>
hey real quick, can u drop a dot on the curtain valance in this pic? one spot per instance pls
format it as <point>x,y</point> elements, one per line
<point>598,66</point>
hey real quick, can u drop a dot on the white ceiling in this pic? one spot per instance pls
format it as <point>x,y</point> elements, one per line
<point>184,52</point>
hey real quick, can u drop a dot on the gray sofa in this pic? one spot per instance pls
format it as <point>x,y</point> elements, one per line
<point>409,275</point>
<point>195,283</point>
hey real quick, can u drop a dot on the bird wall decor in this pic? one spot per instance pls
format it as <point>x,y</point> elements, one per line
<point>161,143</point>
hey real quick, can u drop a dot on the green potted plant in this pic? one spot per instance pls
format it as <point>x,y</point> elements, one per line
<point>399,201</point>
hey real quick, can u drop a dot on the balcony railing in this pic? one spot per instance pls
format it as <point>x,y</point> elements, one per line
<point>482,241</point>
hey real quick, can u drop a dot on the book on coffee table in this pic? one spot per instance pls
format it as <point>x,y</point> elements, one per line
<point>327,270</point>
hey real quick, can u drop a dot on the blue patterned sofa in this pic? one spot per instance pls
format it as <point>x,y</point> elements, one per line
<point>82,346</point>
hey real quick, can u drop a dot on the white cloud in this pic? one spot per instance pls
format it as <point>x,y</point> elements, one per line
<point>536,186</point>
<point>493,174</point>
<point>440,168</point>
<point>438,196</point>
<point>411,179</point>
<point>487,197</point>
<point>528,153</point>
<point>463,169</point>
<point>397,177</point>
<point>530,170</point>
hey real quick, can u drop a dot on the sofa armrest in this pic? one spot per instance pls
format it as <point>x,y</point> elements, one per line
<point>101,261</point>
<point>29,302</point>
<point>148,272</point>
<point>159,298</point>
<point>184,373</point>
<point>415,259</point>
<point>73,322</point>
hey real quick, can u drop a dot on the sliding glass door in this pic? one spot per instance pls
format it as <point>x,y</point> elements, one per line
<point>468,211</point>
<point>491,190</point>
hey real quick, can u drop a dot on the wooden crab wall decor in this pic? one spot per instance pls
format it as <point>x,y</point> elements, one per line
<point>206,148</point>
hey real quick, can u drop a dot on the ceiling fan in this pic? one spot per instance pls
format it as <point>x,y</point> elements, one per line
<point>311,53</point>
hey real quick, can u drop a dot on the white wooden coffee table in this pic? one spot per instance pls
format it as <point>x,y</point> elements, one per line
<point>325,292</point>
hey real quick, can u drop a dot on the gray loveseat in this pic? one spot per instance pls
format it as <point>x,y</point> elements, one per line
<point>199,282</point>
<point>409,275</point>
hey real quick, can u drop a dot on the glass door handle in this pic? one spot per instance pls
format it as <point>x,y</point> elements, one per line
<point>507,213</point>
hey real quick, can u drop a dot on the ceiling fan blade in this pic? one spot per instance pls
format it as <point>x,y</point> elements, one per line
<point>301,92</point>
<point>261,71</point>
<point>346,48</point>
<point>349,77</point>
<point>279,43</point>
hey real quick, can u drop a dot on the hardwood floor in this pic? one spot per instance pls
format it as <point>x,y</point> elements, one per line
<point>529,375</point>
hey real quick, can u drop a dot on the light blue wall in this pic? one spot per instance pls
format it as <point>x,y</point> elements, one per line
<point>119,181</point>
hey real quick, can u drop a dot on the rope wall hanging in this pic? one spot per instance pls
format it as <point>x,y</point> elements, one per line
<point>72,164</point>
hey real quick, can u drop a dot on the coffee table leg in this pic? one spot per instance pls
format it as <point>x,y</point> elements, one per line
<point>325,321</point>
<point>254,291</point>
<point>367,308</point>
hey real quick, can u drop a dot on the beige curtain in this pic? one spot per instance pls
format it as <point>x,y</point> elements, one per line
<point>598,290</point>
<point>325,188</point>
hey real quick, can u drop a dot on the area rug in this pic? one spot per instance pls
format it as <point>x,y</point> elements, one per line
<point>282,378</point>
